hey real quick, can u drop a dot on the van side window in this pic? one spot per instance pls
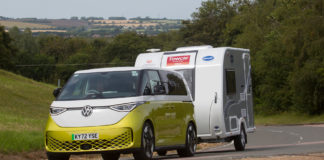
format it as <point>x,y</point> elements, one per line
<point>154,79</point>
<point>230,82</point>
<point>146,87</point>
<point>176,85</point>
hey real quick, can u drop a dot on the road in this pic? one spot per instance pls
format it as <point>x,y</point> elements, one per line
<point>269,141</point>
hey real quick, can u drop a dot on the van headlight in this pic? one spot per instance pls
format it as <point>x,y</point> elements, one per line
<point>127,107</point>
<point>57,110</point>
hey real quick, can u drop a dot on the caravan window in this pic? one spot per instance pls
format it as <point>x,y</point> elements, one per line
<point>230,82</point>
<point>188,74</point>
<point>173,83</point>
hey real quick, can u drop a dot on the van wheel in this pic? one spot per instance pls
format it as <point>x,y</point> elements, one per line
<point>191,144</point>
<point>147,147</point>
<point>240,140</point>
<point>110,156</point>
<point>59,156</point>
<point>162,152</point>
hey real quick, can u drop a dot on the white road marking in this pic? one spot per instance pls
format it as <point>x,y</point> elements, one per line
<point>300,138</point>
<point>274,131</point>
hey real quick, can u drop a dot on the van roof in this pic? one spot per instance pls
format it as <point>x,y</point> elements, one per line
<point>111,69</point>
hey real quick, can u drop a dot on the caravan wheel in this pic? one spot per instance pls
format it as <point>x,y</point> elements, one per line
<point>240,140</point>
<point>162,152</point>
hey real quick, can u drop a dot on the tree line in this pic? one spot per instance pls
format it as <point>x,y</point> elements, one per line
<point>286,39</point>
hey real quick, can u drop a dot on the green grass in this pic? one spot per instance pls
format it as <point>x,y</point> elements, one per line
<point>17,141</point>
<point>24,105</point>
<point>288,119</point>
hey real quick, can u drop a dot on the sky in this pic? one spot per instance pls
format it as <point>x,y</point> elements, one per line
<point>172,9</point>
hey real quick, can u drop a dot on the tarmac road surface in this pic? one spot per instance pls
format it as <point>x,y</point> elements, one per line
<point>269,141</point>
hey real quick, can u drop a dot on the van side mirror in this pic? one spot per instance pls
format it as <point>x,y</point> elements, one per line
<point>159,89</point>
<point>56,92</point>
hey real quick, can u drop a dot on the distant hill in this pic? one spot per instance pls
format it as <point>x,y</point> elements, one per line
<point>93,26</point>
<point>24,106</point>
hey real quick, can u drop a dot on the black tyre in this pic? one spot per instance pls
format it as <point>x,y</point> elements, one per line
<point>110,156</point>
<point>191,143</point>
<point>162,152</point>
<point>57,156</point>
<point>147,146</point>
<point>240,140</point>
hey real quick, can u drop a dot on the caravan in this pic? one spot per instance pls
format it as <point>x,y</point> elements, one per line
<point>220,83</point>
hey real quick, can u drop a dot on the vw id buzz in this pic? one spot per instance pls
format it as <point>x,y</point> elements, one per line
<point>121,110</point>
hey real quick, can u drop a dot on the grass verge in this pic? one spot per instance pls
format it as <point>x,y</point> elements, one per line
<point>16,141</point>
<point>24,106</point>
<point>288,119</point>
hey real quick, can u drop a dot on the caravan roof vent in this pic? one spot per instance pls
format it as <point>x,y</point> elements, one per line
<point>190,48</point>
<point>153,50</point>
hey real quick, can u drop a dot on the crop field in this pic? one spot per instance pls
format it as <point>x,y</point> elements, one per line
<point>48,30</point>
<point>114,21</point>
<point>128,24</point>
<point>132,23</point>
<point>167,21</point>
<point>10,24</point>
<point>66,23</point>
<point>24,106</point>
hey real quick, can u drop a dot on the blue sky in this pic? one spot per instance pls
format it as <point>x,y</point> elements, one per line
<point>174,9</point>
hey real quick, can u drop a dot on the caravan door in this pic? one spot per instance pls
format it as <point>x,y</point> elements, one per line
<point>248,90</point>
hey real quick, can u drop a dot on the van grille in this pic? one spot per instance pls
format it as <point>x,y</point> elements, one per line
<point>120,142</point>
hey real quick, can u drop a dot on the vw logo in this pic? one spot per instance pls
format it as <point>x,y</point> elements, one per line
<point>86,111</point>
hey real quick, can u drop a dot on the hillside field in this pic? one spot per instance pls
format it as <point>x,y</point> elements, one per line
<point>24,106</point>
<point>10,24</point>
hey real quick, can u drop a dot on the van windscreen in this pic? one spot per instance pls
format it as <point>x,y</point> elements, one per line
<point>101,85</point>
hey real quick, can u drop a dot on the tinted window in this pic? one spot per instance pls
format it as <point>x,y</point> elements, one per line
<point>188,74</point>
<point>174,83</point>
<point>101,85</point>
<point>230,82</point>
<point>153,80</point>
<point>146,87</point>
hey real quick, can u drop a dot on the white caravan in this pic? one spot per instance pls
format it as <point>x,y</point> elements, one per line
<point>220,83</point>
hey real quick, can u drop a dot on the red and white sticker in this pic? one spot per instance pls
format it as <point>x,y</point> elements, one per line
<point>178,60</point>
<point>149,61</point>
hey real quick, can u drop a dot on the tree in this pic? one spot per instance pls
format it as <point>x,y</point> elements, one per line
<point>125,47</point>
<point>6,50</point>
<point>209,23</point>
<point>286,42</point>
<point>74,18</point>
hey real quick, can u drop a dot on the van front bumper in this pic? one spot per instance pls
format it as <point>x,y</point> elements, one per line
<point>112,139</point>
<point>118,137</point>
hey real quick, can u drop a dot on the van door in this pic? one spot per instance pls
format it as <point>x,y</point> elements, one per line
<point>178,94</point>
<point>164,112</point>
<point>248,90</point>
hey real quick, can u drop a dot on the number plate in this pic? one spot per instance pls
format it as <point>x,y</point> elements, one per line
<point>85,136</point>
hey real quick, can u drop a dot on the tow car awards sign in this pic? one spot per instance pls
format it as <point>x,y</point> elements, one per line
<point>178,60</point>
